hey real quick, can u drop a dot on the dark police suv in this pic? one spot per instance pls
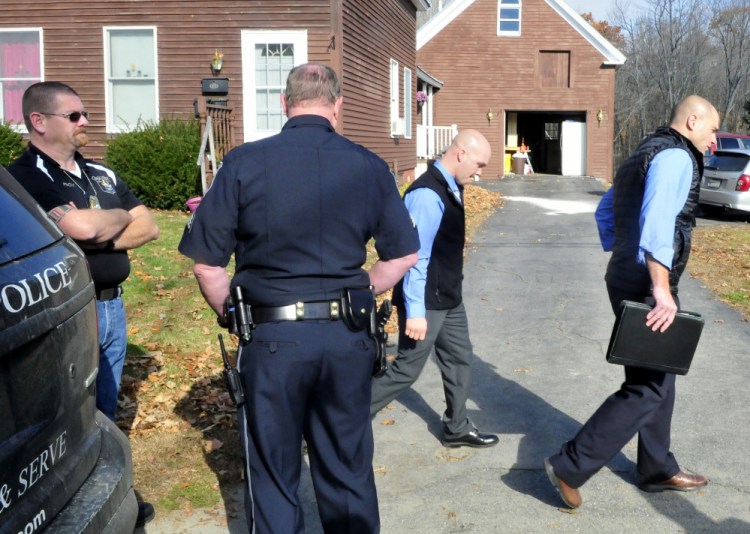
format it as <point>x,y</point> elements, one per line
<point>64,467</point>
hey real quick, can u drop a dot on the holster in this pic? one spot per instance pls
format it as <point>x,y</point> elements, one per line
<point>357,307</point>
<point>358,312</point>
<point>379,318</point>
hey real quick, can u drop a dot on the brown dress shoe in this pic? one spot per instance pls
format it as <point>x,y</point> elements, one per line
<point>680,482</point>
<point>570,496</point>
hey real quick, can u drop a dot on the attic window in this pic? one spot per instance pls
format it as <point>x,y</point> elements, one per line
<point>509,17</point>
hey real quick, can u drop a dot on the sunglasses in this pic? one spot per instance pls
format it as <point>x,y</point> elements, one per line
<point>75,116</point>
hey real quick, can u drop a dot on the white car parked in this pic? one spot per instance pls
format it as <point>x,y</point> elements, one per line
<point>726,180</point>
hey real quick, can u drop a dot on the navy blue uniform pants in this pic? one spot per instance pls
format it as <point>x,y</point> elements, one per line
<point>311,378</point>
<point>643,405</point>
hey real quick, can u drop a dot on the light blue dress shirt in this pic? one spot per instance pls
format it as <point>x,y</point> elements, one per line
<point>426,210</point>
<point>667,187</point>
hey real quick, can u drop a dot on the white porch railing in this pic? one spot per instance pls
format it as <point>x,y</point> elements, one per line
<point>433,140</point>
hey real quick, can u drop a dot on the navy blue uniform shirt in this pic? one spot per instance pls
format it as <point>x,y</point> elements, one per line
<point>297,209</point>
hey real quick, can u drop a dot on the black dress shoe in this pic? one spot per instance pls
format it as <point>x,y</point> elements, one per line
<point>473,439</point>
<point>146,513</point>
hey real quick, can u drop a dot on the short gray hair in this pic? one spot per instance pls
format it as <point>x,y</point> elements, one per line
<point>313,83</point>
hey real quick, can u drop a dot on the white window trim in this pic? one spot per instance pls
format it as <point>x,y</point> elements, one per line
<point>520,16</point>
<point>108,100</point>
<point>21,128</point>
<point>407,103</point>
<point>249,38</point>
<point>394,99</point>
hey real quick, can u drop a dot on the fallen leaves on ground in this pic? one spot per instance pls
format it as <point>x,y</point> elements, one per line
<point>720,258</point>
<point>173,393</point>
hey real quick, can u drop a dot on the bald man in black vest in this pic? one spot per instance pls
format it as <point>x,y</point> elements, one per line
<point>431,312</point>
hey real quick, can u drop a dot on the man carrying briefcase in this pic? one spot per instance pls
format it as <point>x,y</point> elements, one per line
<point>646,219</point>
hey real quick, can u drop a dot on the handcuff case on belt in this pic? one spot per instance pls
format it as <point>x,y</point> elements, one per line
<point>357,305</point>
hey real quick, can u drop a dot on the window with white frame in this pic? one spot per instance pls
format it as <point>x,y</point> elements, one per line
<point>267,57</point>
<point>394,98</point>
<point>509,17</point>
<point>130,63</point>
<point>407,103</point>
<point>20,66</point>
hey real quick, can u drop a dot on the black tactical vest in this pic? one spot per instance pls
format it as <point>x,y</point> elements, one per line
<point>445,269</point>
<point>624,271</point>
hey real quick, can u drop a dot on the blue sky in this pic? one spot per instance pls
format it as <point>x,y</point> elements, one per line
<point>601,8</point>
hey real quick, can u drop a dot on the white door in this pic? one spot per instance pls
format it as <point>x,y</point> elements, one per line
<point>573,147</point>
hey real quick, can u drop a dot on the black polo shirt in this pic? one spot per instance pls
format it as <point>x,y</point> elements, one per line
<point>298,209</point>
<point>51,186</point>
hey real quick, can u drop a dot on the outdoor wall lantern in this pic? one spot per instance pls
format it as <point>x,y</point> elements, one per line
<point>490,116</point>
<point>217,61</point>
<point>600,116</point>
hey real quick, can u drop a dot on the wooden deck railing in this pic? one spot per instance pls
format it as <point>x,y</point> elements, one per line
<point>433,140</point>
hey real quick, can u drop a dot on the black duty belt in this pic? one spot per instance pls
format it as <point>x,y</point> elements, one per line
<point>301,311</point>
<point>110,293</point>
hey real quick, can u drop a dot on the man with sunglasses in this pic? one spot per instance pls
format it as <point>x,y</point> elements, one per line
<point>92,206</point>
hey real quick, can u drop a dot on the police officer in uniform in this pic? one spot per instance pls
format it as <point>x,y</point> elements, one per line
<point>93,206</point>
<point>297,210</point>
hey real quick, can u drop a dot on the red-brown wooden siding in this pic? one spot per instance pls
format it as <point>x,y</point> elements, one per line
<point>373,33</point>
<point>481,71</point>
<point>189,31</point>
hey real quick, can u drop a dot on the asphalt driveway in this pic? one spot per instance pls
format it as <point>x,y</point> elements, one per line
<point>540,321</point>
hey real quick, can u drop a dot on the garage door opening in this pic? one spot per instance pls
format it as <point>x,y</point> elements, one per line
<point>556,140</point>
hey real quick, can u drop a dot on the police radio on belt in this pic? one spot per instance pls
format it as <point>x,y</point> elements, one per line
<point>231,377</point>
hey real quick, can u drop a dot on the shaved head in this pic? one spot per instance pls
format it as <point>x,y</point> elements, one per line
<point>471,140</point>
<point>467,155</point>
<point>697,119</point>
<point>690,105</point>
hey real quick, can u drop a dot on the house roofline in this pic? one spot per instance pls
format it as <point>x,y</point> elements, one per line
<point>613,57</point>
<point>436,24</point>
<point>421,5</point>
<point>608,50</point>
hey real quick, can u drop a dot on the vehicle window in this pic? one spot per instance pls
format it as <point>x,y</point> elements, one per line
<point>728,162</point>
<point>729,142</point>
<point>21,231</point>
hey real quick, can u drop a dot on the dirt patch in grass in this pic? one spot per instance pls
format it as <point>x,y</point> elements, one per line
<point>720,259</point>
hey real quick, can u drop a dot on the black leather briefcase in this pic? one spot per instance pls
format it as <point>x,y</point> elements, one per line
<point>633,343</point>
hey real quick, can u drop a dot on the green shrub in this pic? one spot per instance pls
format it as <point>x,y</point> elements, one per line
<point>158,162</point>
<point>12,144</point>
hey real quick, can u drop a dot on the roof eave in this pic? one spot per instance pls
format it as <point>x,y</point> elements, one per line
<point>421,5</point>
<point>428,78</point>
<point>433,26</point>
<point>613,56</point>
